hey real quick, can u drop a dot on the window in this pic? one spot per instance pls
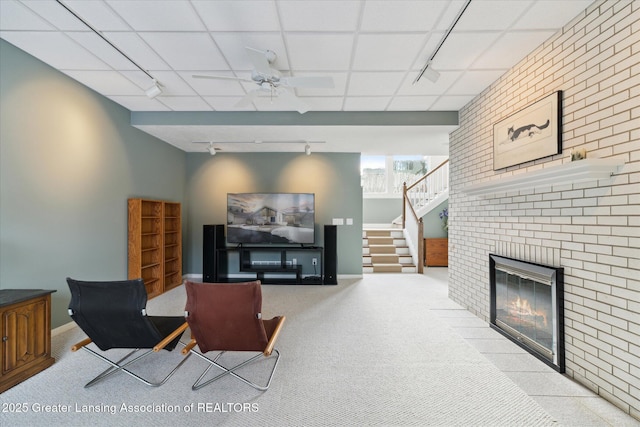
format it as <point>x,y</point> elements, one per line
<point>383,176</point>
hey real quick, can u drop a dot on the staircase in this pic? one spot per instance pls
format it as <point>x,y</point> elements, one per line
<point>384,250</point>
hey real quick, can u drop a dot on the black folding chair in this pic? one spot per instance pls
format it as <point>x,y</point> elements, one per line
<point>113,316</point>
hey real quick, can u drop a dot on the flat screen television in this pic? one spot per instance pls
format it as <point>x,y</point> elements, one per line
<point>266,218</point>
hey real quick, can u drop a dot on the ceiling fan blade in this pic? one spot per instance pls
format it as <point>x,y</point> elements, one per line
<point>202,76</point>
<point>292,100</point>
<point>308,82</point>
<point>259,60</point>
<point>248,98</point>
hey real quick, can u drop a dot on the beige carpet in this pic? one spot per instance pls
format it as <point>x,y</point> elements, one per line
<point>365,352</point>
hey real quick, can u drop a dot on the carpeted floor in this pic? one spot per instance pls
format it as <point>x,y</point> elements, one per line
<point>365,352</point>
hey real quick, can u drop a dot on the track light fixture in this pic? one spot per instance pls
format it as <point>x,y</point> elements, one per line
<point>154,90</point>
<point>307,150</point>
<point>429,72</point>
<point>211,149</point>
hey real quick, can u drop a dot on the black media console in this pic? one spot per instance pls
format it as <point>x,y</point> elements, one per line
<point>269,264</point>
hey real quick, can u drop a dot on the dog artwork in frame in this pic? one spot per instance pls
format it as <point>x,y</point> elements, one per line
<point>530,134</point>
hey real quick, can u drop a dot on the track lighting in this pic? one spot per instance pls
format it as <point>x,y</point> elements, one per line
<point>212,149</point>
<point>154,90</point>
<point>429,72</point>
<point>307,149</point>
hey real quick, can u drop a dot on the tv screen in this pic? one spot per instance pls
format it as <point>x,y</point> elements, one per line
<point>270,218</point>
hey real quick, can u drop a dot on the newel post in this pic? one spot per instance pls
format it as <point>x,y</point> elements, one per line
<point>420,244</point>
<point>404,204</point>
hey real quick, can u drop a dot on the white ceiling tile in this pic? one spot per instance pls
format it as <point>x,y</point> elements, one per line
<point>95,44</point>
<point>366,103</point>
<point>339,84</point>
<point>451,102</point>
<point>461,49</point>
<point>139,103</point>
<point>374,84</point>
<point>411,103</point>
<point>151,16</point>
<point>323,15</point>
<point>106,82</point>
<point>98,14</point>
<point>136,49</point>
<point>487,15</point>
<point>562,12</point>
<point>238,15</point>
<point>223,87</point>
<point>55,14</point>
<point>185,103</point>
<point>449,14</point>
<point>314,52</point>
<point>172,83</point>
<point>425,86</point>
<point>227,103</point>
<point>474,82</point>
<point>268,103</point>
<point>56,49</point>
<point>520,44</point>
<point>15,16</point>
<point>329,103</point>
<point>398,16</point>
<point>186,51</point>
<point>233,47</point>
<point>387,51</point>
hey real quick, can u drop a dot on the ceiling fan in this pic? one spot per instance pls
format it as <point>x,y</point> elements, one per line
<point>270,82</point>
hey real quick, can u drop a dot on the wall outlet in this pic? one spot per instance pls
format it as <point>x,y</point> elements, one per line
<point>314,261</point>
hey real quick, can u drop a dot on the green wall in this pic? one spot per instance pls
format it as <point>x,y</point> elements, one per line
<point>69,160</point>
<point>381,210</point>
<point>333,177</point>
<point>432,224</point>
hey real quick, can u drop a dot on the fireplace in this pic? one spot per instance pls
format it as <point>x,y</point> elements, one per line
<point>527,307</point>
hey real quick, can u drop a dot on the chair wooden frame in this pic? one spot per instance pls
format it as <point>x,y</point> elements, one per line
<point>120,365</point>
<point>113,315</point>
<point>227,318</point>
<point>268,352</point>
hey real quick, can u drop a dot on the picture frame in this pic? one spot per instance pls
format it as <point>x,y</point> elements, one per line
<point>530,134</point>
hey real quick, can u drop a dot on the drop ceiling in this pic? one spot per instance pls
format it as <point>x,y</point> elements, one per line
<point>373,50</point>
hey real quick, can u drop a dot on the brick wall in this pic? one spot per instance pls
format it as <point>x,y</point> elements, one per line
<point>592,229</point>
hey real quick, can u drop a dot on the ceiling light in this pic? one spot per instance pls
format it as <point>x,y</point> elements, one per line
<point>429,72</point>
<point>154,90</point>
<point>307,149</point>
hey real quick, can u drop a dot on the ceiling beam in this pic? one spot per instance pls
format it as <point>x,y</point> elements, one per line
<point>288,118</point>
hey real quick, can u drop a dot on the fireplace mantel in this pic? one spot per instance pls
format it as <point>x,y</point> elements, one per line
<point>566,173</point>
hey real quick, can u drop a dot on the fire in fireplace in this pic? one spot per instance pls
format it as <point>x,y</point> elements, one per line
<point>527,307</point>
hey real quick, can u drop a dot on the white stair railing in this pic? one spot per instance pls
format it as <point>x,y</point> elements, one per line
<point>422,192</point>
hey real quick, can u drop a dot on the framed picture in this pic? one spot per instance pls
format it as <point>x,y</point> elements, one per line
<point>532,133</point>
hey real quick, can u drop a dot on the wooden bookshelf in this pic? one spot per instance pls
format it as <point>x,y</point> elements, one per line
<point>155,244</point>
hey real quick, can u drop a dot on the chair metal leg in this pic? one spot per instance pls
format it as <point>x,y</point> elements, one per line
<point>231,371</point>
<point>118,367</point>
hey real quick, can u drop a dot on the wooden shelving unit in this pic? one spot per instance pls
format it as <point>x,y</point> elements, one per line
<point>155,244</point>
<point>172,245</point>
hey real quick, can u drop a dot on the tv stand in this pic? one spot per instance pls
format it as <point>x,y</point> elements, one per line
<point>295,264</point>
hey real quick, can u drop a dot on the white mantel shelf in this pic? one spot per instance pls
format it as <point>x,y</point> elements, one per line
<point>566,173</point>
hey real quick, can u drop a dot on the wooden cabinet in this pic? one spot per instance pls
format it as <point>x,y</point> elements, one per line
<point>155,244</point>
<point>436,252</point>
<point>25,321</point>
